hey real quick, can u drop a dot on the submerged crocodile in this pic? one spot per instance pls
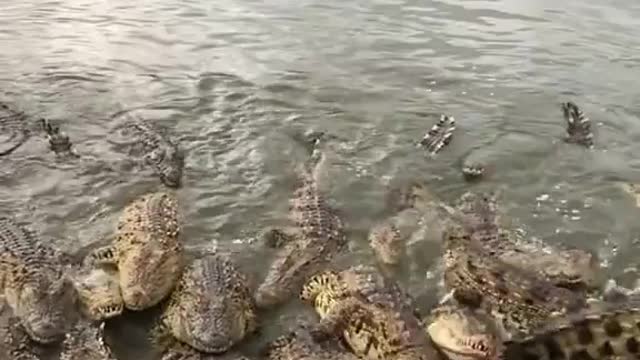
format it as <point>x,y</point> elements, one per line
<point>299,344</point>
<point>519,299</point>
<point>211,309</point>
<point>374,316</point>
<point>575,269</point>
<point>86,342</point>
<point>439,135</point>
<point>578,125</point>
<point>462,333</point>
<point>611,331</point>
<point>34,284</point>
<point>18,128</point>
<point>387,243</point>
<point>159,150</point>
<point>147,251</point>
<point>317,237</point>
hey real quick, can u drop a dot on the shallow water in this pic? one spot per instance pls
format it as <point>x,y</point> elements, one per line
<point>234,79</point>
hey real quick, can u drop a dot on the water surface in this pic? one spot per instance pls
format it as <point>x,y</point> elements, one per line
<point>234,79</point>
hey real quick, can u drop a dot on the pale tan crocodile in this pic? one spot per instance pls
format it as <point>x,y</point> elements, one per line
<point>147,251</point>
<point>387,243</point>
<point>99,292</point>
<point>34,283</point>
<point>462,333</point>
<point>211,309</point>
<point>374,316</point>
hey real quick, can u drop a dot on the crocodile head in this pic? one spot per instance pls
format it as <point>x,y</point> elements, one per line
<point>479,211</point>
<point>99,293</point>
<point>386,242</point>
<point>168,163</point>
<point>286,274</point>
<point>44,307</point>
<point>212,308</point>
<point>86,342</point>
<point>148,275</point>
<point>464,334</point>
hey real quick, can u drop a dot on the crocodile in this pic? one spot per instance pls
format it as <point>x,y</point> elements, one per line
<point>578,126</point>
<point>16,344</point>
<point>299,344</point>
<point>211,308</point>
<point>439,135</point>
<point>98,291</point>
<point>374,316</point>
<point>521,300</point>
<point>462,333</point>
<point>19,128</point>
<point>59,142</point>
<point>34,283</point>
<point>387,243</point>
<point>317,237</point>
<point>147,250</point>
<point>603,331</point>
<point>86,342</point>
<point>159,151</point>
<point>575,269</point>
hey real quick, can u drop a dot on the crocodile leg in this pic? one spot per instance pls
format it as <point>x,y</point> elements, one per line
<point>338,318</point>
<point>105,255</point>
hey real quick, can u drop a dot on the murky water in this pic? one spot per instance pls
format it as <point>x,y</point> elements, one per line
<point>234,79</point>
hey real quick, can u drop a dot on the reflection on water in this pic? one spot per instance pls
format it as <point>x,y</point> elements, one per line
<point>234,79</point>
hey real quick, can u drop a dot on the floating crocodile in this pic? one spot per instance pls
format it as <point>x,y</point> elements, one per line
<point>439,135</point>
<point>375,317</point>
<point>299,344</point>
<point>18,128</point>
<point>575,269</point>
<point>520,299</point>
<point>159,150</point>
<point>34,283</point>
<point>147,251</point>
<point>606,331</point>
<point>462,333</point>
<point>578,125</point>
<point>210,310</point>
<point>316,239</point>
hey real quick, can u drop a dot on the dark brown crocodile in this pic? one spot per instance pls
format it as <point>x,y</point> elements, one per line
<point>439,135</point>
<point>317,237</point>
<point>578,125</point>
<point>374,316</point>
<point>575,269</point>
<point>520,299</point>
<point>17,127</point>
<point>605,331</point>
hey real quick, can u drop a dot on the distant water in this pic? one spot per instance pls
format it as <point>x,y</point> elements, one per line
<point>235,79</point>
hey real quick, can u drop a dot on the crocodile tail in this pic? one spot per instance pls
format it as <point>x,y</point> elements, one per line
<point>578,125</point>
<point>439,135</point>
